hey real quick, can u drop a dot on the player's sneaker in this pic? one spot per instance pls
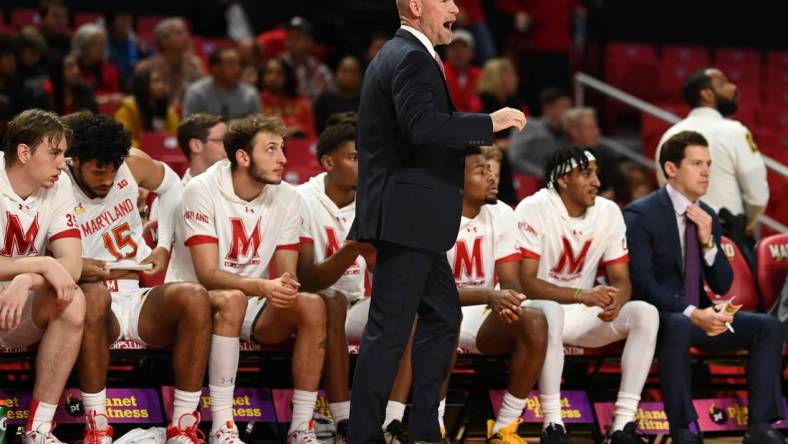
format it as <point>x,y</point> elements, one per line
<point>227,434</point>
<point>304,436</point>
<point>554,434</point>
<point>97,429</point>
<point>186,432</point>
<point>506,435</point>
<point>42,435</point>
<point>342,428</point>
<point>394,433</point>
<point>629,435</point>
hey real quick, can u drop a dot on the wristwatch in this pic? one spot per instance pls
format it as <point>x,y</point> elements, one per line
<point>710,244</point>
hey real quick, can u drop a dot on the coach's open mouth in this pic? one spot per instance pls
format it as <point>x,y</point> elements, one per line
<point>448,25</point>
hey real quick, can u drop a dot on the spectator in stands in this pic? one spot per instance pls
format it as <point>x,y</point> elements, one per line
<point>222,93</point>
<point>312,76</point>
<point>125,48</point>
<point>6,114</point>
<point>530,149</point>
<point>31,47</point>
<point>739,190</point>
<point>638,181</point>
<point>582,129</point>
<point>280,98</point>
<point>347,96</point>
<point>176,58</point>
<point>674,247</point>
<point>53,16</point>
<point>472,17</point>
<point>462,78</point>
<point>19,95</point>
<point>89,46</point>
<point>376,41</point>
<point>66,90</point>
<point>147,109</point>
<point>498,89</point>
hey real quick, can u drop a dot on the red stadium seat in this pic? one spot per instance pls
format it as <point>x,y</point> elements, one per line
<point>272,43</point>
<point>632,67</point>
<point>23,17</point>
<point>772,116</point>
<point>301,152</point>
<point>81,18</point>
<point>688,56</point>
<point>653,128</point>
<point>526,185</point>
<point>672,76</point>
<point>737,56</point>
<point>777,58</point>
<point>164,147</point>
<point>298,174</point>
<point>743,286</point>
<point>771,266</point>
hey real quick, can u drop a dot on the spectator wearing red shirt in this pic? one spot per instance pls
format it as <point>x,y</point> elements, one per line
<point>279,97</point>
<point>462,78</point>
<point>89,46</point>
<point>67,91</point>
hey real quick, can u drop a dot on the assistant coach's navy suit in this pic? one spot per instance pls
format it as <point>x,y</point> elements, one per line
<point>656,270</point>
<point>411,149</point>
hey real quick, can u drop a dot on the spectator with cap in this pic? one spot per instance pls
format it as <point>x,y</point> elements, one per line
<point>530,149</point>
<point>30,49</point>
<point>176,58</point>
<point>280,98</point>
<point>462,78</point>
<point>222,93</point>
<point>89,46</point>
<point>313,76</point>
<point>347,95</point>
<point>125,48</point>
<point>53,24</point>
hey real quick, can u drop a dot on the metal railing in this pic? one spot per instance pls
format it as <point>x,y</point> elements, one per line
<point>583,81</point>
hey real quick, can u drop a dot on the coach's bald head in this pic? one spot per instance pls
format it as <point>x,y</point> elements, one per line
<point>434,18</point>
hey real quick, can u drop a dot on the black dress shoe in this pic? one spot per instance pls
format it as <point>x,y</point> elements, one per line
<point>767,437</point>
<point>684,436</point>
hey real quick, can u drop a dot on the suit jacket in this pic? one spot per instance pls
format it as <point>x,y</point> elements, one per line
<point>656,266</point>
<point>411,150</point>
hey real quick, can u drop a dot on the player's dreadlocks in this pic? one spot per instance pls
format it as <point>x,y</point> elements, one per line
<point>563,161</point>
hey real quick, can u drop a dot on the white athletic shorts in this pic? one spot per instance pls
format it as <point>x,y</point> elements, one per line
<point>26,333</point>
<point>472,319</point>
<point>254,308</point>
<point>356,320</point>
<point>127,301</point>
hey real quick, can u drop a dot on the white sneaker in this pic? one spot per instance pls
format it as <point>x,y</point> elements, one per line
<point>97,430</point>
<point>304,436</point>
<point>186,432</point>
<point>228,434</point>
<point>43,435</point>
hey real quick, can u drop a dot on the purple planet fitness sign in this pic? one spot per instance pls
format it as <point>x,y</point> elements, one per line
<point>724,414</point>
<point>283,400</point>
<point>575,407</point>
<point>135,406</point>
<point>651,417</point>
<point>249,404</point>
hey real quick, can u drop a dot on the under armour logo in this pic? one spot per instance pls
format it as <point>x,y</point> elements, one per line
<point>577,233</point>
<point>249,210</point>
<point>474,229</point>
<point>24,207</point>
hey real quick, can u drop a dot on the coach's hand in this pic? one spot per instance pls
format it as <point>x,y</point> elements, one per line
<point>159,257</point>
<point>282,291</point>
<point>12,301</point>
<point>93,270</point>
<point>506,303</point>
<point>710,321</point>
<point>702,220</point>
<point>61,281</point>
<point>599,296</point>
<point>507,118</point>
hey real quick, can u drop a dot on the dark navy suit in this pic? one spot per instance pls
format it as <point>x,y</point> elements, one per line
<point>656,270</point>
<point>411,149</point>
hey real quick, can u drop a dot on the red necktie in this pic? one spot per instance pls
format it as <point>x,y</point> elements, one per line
<point>440,64</point>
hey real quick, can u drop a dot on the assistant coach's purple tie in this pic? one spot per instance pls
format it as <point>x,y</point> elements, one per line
<point>691,264</point>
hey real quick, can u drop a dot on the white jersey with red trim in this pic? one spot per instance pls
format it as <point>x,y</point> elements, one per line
<point>27,226</point>
<point>180,259</point>
<point>483,242</point>
<point>325,226</point>
<point>570,249</point>
<point>247,232</point>
<point>111,226</point>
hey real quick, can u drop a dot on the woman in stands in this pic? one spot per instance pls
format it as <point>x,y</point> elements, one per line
<point>66,90</point>
<point>89,46</point>
<point>279,97</point>
<point>147,109</point>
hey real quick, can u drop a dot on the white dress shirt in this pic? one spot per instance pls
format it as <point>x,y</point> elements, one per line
<point>680,205</point>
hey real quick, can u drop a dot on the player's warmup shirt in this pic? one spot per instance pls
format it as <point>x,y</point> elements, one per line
<point>29,225</point>
<point>483,242</point>
<point>180,259</point>
<point>570,249</point>
<point>247,233</point>
<point>325,226</point>
<point>111,226</point>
